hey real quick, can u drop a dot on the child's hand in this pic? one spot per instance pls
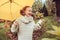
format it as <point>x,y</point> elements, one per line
<point>16,23</point>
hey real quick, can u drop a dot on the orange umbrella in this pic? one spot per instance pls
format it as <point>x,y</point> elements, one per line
<point>9,9</point>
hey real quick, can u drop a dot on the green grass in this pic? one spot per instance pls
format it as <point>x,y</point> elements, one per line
<point>1,24</point>
<point>3,35</point>
<point>3,31</point>
<point>50,21</point>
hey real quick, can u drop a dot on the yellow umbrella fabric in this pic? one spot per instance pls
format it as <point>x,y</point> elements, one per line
<point>9,10</point>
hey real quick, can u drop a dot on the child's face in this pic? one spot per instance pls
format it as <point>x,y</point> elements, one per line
<point>28,11</point>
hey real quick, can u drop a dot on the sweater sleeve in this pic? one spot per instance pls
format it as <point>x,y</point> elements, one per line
<point>38,25</point>
<point>13,28</point>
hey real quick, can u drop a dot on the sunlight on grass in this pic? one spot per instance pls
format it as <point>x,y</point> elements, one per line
<point>49,39</point>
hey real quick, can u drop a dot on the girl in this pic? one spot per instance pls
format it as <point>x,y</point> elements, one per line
<point>25,24</point>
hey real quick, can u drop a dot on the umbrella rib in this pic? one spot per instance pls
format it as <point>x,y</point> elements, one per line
<point>11,11</point>
<point>17,3</point>
<point>4,3</point>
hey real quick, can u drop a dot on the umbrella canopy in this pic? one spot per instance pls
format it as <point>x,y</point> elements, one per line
<point>9,9</point>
